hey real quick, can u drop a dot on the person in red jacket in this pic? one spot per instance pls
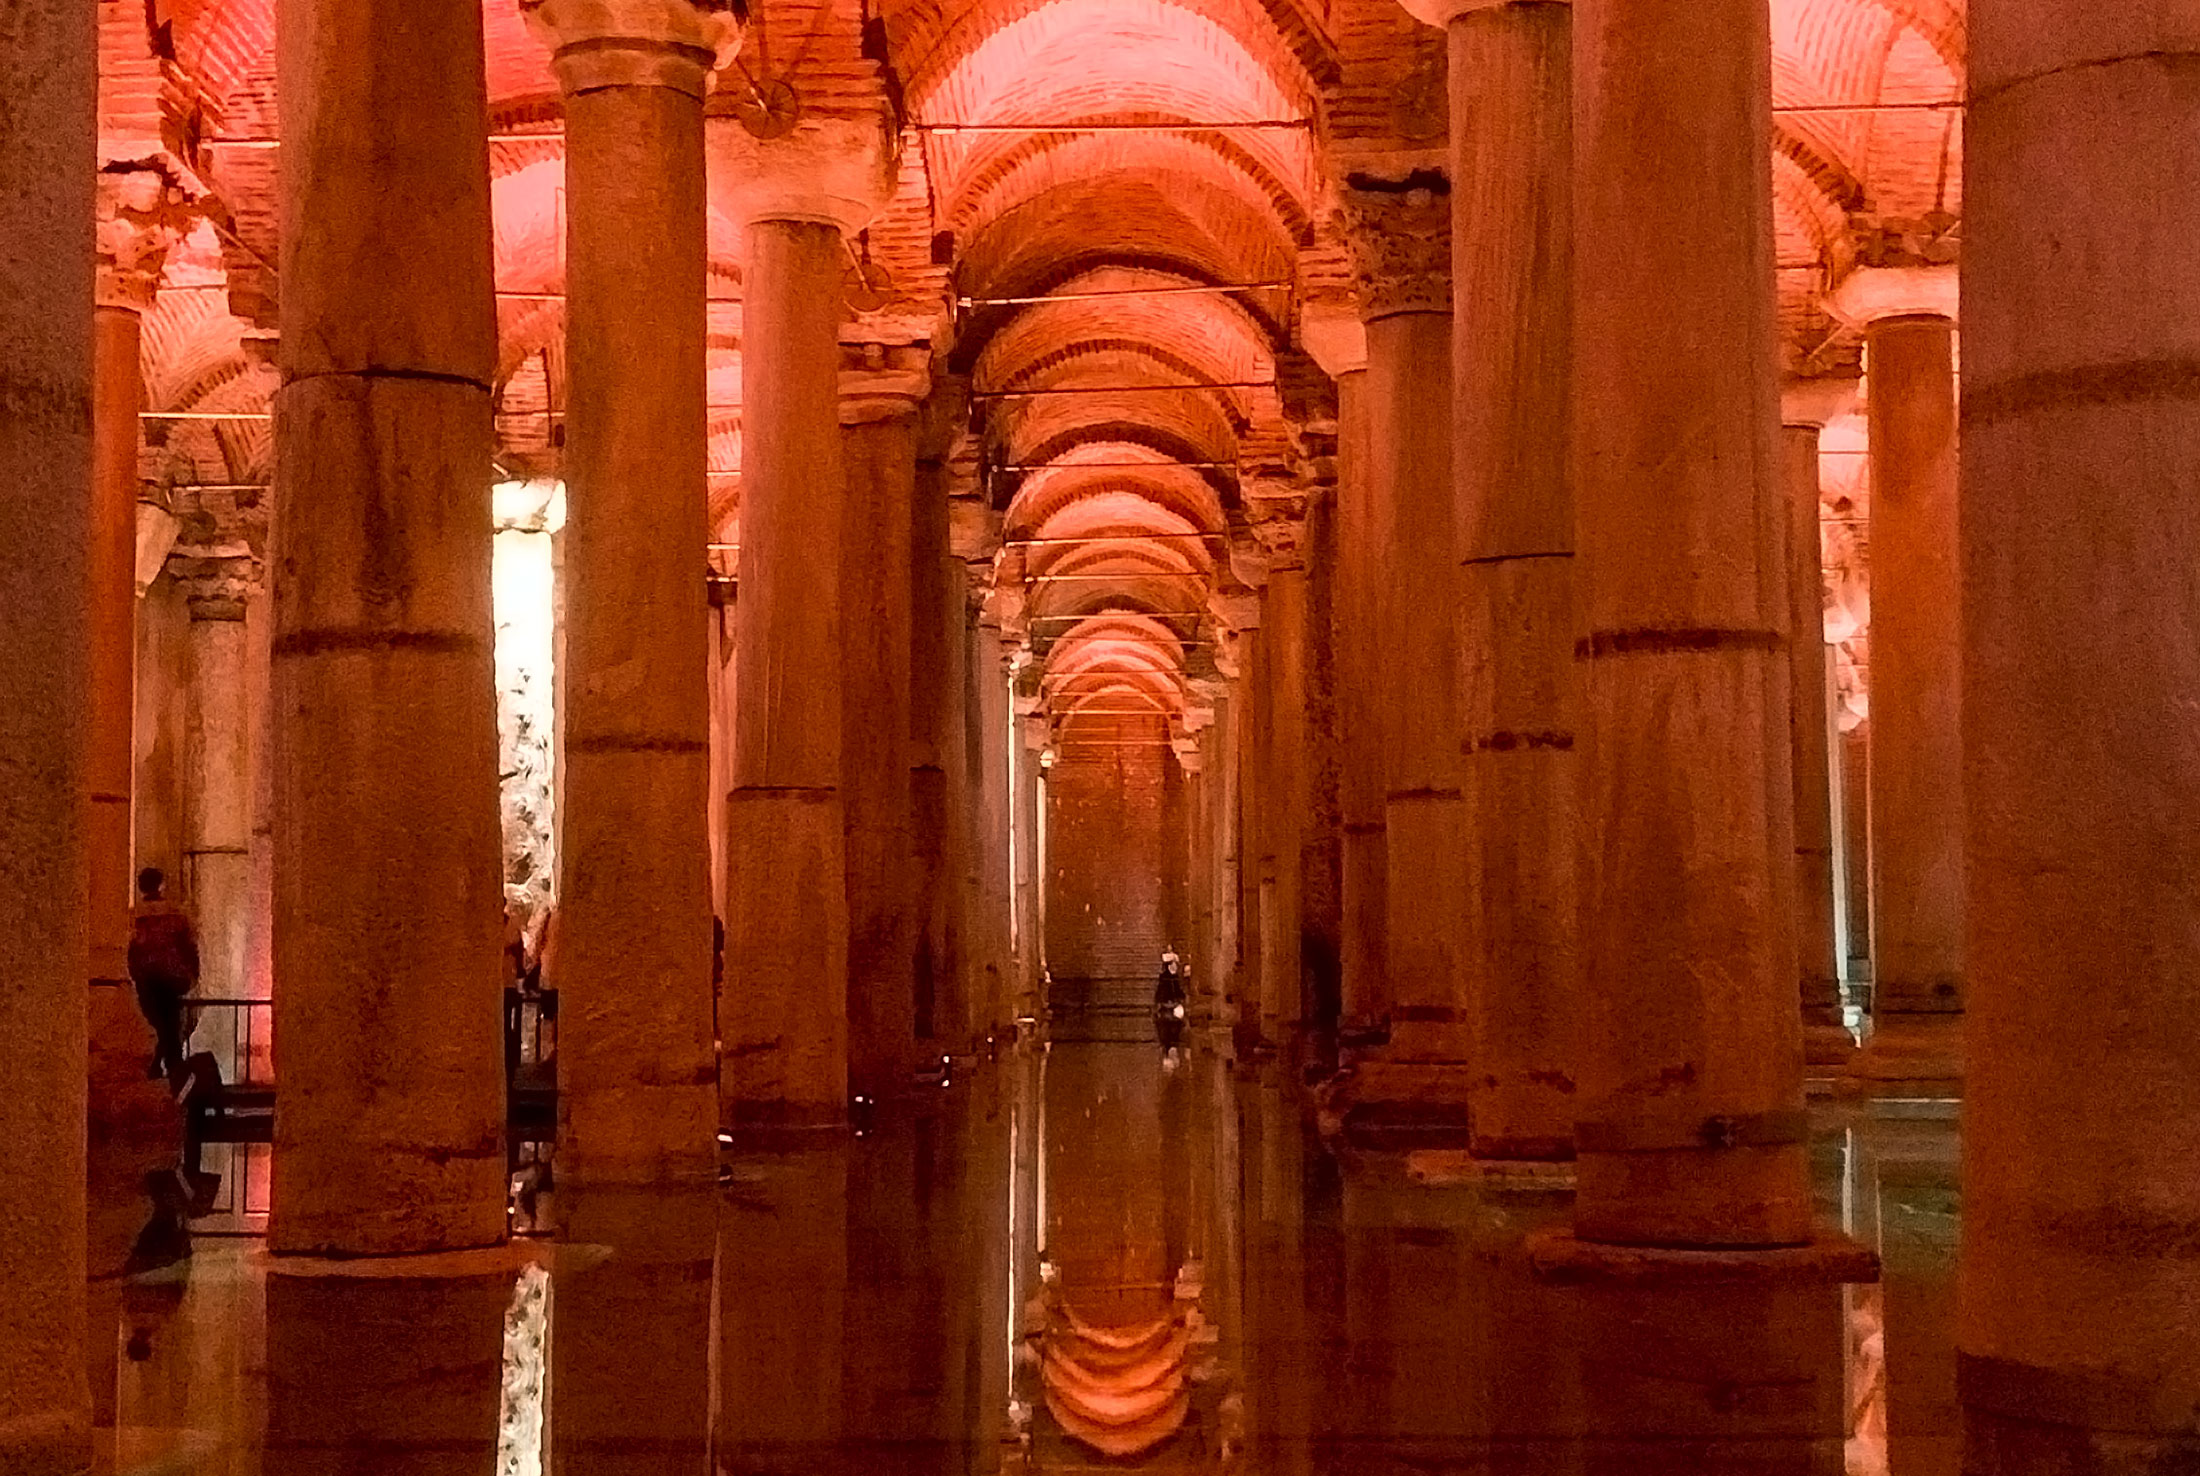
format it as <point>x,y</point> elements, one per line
<point>164,965</point>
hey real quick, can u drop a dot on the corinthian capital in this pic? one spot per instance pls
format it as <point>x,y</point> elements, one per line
<point>144,212</point>
<point>1400,234</point>
<point>674,44</point>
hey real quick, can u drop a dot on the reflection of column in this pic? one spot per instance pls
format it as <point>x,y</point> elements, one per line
<point>425,1401</point>
<point>1404,239</point>
<point>2081,473</point>
<point>785,1026</point>
<point>1512,184</point>
<point>1810,752</point>
<point>637,1096</point>
<point>878,457</point>
<point>386,933</point>
<point>782,1293</point>
<point>1916,672</point>
<point>1691,1130</point>
<point>47,65</point>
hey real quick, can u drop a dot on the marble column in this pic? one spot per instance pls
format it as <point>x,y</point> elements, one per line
<point>2081,656</point>
<point>637,1097</point>
<point>878,454</point>
<point>217,812</point>
<point>1916,756</point>
<point>1402,233</point>
<point>1512,251</point>
<point>1826,1039</point>
<point>785,1021</point>
<point>140,216</point>
<point>1284,640</point>
<point>1338,342</point>
<point>386,850</point>
<point>48,59</point>
<point>1690,1129</point>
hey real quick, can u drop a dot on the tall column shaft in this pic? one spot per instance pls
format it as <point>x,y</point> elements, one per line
<point>2081,655</point>
<point>785,1018</point>
<point>1321,853</point>
<point>879,460</point>
<point>1916,700</point>
<point>990,961</point>
<point>1360,709</point>
<point>48,58</point>
<point>1810,755</point>
<point>217,837</point>
<point>1030,801</point>
<point>936,761</point>
<point>1285,634</point>
<point>637,1082</point>
<point>386,847</point>
<point>1512,168</point>
<point>117,397</point>
<point>1689,1127</point>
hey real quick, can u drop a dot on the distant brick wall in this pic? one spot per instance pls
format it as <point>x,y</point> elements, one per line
<point>1107,850</point>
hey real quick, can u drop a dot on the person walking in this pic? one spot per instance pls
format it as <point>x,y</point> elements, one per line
<point>164,965</point>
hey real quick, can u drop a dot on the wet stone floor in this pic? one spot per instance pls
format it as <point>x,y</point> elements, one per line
<point>1087,1256</point>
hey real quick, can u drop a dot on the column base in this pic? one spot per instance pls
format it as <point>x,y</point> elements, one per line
<point>1400,1106</point>
<point>639,1137</point>
<point>1830,1258</point>
<point>1828,1045</point>
<point>1437,1167</point>
<point>1909,1055</point>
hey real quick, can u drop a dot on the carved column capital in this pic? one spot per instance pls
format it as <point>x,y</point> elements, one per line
<point>1874,294</point>
<point>880,381</point>
<point>144,212</point>
<point>674,44</point>
<point>1400,234</point>
<point>1441,13</point>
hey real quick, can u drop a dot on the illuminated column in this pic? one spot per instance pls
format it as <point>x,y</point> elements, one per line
<point>1402,234</point>
<point>987,952</point>
<point>141,214</point>
<point>1690,1130</point>
<point>1805,408</point>
<point>386,850</point>
<point>2081,656</point>
<point>637,1085</point>
<point>48,57</point>
<point>1512,188</point>
<point>1031,737</point>
<point>937,757</point>
<point>878,410</point>
<point>1338,342</point>
<point>1916,763</point>
<point>217,811</point>
<point>1283,640</point>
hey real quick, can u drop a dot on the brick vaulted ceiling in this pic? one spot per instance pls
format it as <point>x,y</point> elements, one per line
<point>1122,502</point>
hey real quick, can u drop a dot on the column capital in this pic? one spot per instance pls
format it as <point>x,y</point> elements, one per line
<point>881,381</point>
<point>674,44</point>
<point>828,171</point>
<point>1872,294</point>
<point>1398,225</point>
<point>144,211</point>
<point>1813,403</point>
<point>1441,13</point>
<point>1334,338</point>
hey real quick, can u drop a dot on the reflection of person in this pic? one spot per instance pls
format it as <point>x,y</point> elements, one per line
<point>1168,989</point>
<point>164,965</point>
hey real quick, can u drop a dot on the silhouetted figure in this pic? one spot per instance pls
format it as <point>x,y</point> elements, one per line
<point>164,965</point>
<point>1168,1001</point>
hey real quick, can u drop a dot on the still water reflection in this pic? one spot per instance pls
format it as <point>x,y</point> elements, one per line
<point>1085,1256</point>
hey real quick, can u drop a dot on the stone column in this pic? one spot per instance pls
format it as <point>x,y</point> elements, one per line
<point>2081,655</point>
<point>637,1083</point>
<point>217,831</point>
<point>1283,639</point>
<point>1804,412</point>
<point>1512,251</point>
<point>986,949</point>
<point>1338,342</point>
<point>140,216</point>
<point>1030,802</point>
<point>938,615</point>
<point>48,59</point>
<point>1402,233</point>
<point>1916,763</point>
<point>386,850</point>
<point>878,452</point>
<point>1690,1130</point>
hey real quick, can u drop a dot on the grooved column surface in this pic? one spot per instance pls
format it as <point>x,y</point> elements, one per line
<point>1512,122</point>
<point>2081,655</point>
<point>784,1018</point>
<point>637,1081</point>
<point>880,461</point>
<point>47,52</point>
<point>390,1137</point>
<point>1916,674</point>
<point>1689,1126</point>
